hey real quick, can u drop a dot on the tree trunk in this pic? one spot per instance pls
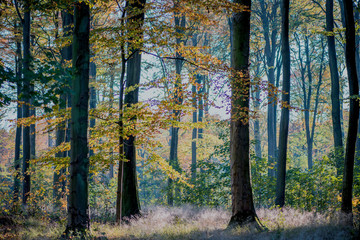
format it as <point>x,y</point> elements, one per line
<point>284,121</point>
<point>111,99</point>
<point>257,136</point>
<point>194,120</point>
<point>243,211</point>
<point>26,108</point>
<point>59,177</point>
<point>66,54</point>
<point>78,215</point>
<point>19,127</point>
<point>130,203</point>
<point>178,98</point>
<point>357,154</point>
<point>121,139</point>
<point>92,99</point>
<point>346,204</point>
<point>270,51</point>
<point>335,87</point>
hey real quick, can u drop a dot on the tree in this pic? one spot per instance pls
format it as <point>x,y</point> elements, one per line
<point>306,68</point>
<point>78,215</point>
<point>180,22</point>
<point>243,210</point>
<point>269,22</point>
<point>284,121</point>
<point>346,204</point>
<point>130,201</point>
<point>335,86</point>
<point>66,55</point>
<point>26,22</point>
<point>19,116</point>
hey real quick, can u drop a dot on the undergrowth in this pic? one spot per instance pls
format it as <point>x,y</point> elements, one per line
<point>187,222</point>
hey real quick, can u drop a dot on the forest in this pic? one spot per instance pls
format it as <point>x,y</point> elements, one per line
<point>179,119</point>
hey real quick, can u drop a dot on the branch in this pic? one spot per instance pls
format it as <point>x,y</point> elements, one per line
<point>18,12</point>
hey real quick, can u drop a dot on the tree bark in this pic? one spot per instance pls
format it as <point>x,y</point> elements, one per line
<point>270,52</point>
<point>346,204</point>
<point>178,99</point>
<point>130,203</point>
<point>17,164</point>
<point>26,107</point>
<point>194,119</point>
<point>92,99</point>
<point>243,210</point>
<point>335,87</point>
<point>78,215</point>
<point>59,177</point>
<point>111,99</point>
<point>284,121</point>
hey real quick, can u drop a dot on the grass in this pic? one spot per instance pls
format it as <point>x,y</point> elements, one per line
<point>188,222</point>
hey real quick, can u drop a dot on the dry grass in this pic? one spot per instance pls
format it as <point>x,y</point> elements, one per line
<point>192,223</point>
<point>188,222</point>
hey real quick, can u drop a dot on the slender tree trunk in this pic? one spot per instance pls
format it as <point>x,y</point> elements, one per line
<point>257,136</point>
<point>59,176</point>
<point>32,127</point>
<point>66,54</point>
<point>178,98</point>
<point>335,87</point>
<point>130,204</point>
<point>120,181</point>
<point>26,107</point>
<point>243,210</point>
<point>111,99</point>
<point>17,164</point>
<point>78,214</point>
<point>194,136</point>
<point>346,204</point>
<point>357,154</point>
<point>270,51</point>
<point>284,121</point>
<point>194,120</point>
<point>92,98</point>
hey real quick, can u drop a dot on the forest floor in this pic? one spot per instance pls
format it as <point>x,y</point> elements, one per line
<point>192,223</point>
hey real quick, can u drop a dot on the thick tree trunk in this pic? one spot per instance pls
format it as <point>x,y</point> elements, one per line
<point>284,121</point>
<point>130,203</point>
<point>335,87</point>
<point>78,215</point>
<point>26,107</point>
<point>346,204</point>
<point>243,211</point>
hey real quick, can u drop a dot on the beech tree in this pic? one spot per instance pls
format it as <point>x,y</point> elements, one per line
<point>130,199</point>
<point>66,55</point>
<point>346,204</point>
<point>243,210</point>
<point>335,85</point>
<point>178,97</point>
<point>78,214</point>
<point>284,121</point>
<point>26,87</point>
